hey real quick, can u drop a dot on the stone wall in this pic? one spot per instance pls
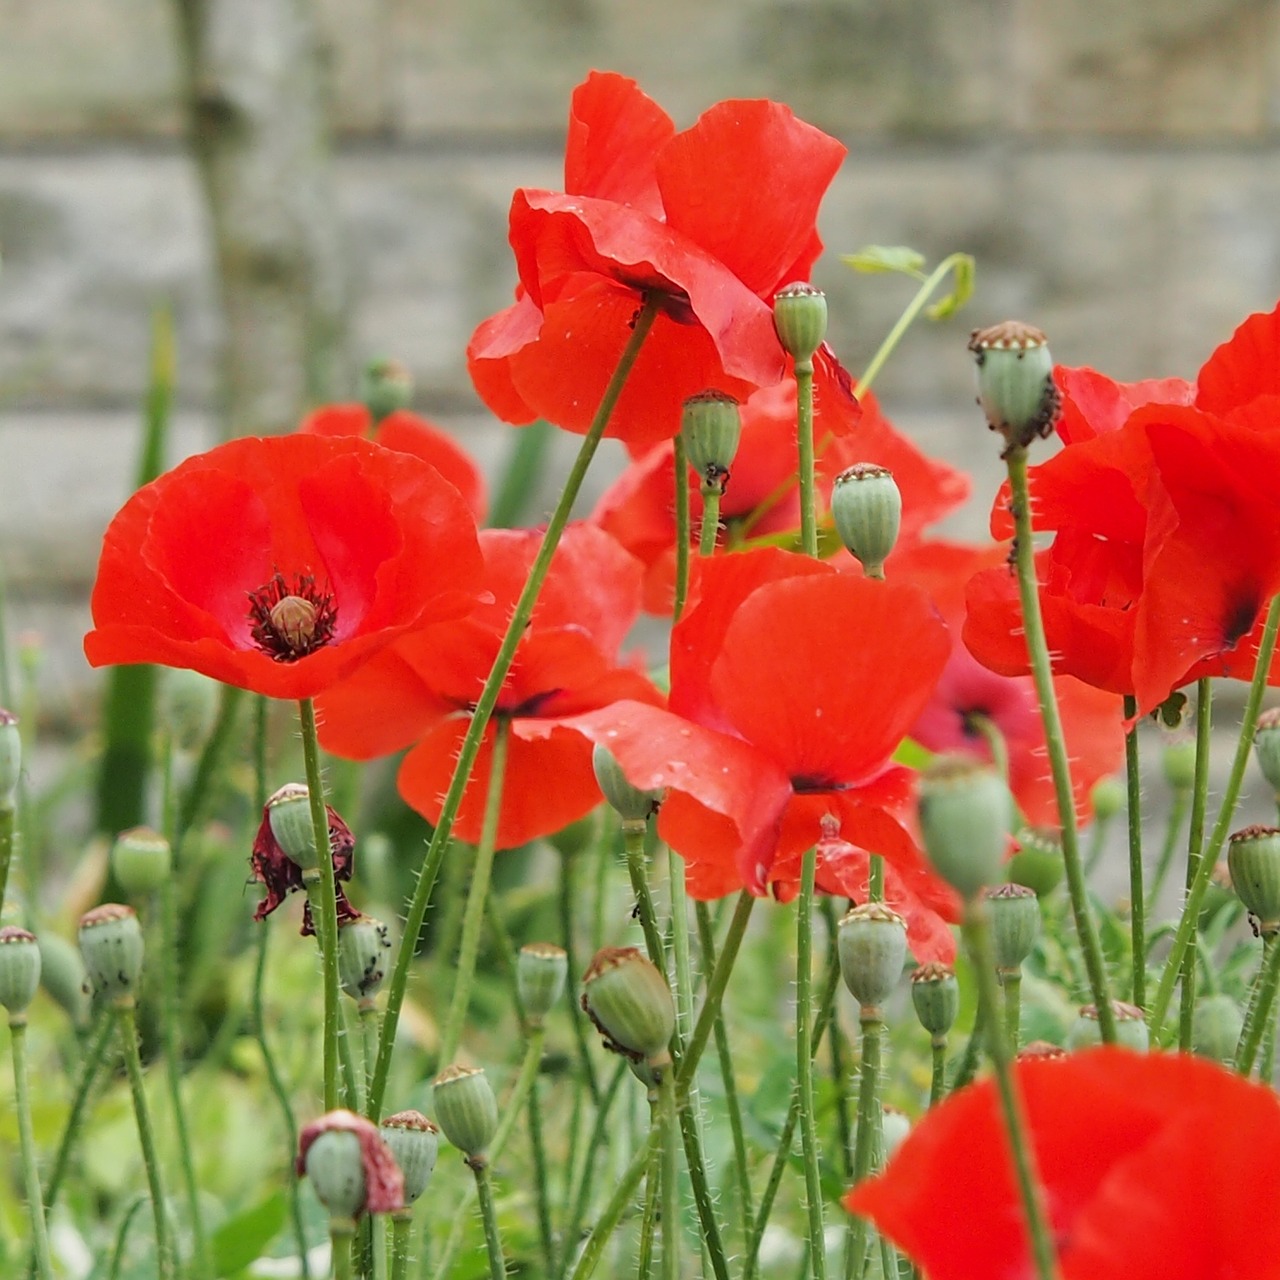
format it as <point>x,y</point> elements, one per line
<point>1115,168</point>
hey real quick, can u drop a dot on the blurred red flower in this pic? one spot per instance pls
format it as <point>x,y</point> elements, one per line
<point>407,433</point>
<point>791,686</point>
<point>421,692</point>
<point>761,497</point>
<point>1154,1167</point>
<point>710,222</point>
<point>281,565</point>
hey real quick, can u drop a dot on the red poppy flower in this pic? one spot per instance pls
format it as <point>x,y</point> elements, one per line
<point>711,222</point>
<point>1091,719</point>
<point>1153,1166</point>
<point>280,565</point>
<point>421,692</point>
<point>761,497</point>
<point>791,686</point>
<point>383,1181</point>
<point>406,433</point>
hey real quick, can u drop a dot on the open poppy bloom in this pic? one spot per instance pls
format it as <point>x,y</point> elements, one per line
<point>1154,1167</point>
<point>970,700</point>
<point>407,433</point>
<point>791,686</point>
<point>421,692</point>
<point>280,565</point>
<point>762,495</point>
<point>709,224</point>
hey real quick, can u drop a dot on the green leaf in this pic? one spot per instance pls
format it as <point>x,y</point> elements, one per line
<point>240,1240</point>
<point>877,257</point>
<point>964,271</point>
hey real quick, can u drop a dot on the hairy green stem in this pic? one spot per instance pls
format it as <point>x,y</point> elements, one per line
<point>1137,896</point>
<point>1258,1013</point>
<point>649,1212</point>
<point>870,1121</point>
<point>633,840</point>
<point>938,1070</point>
<point>27,1145</point>
<point>470,746</point>
<point>342,1234</point>
<point>670,1123</point>
<point>711,494</point>
<point>1041,669</point>
<point>595,1144</point>
<point>804,1062</point>
<point>1195,850</point>
<point>1011,985</point>
<point>578,1020</point>
<point>401,1238</point>
<point>489,1218</point>
<point>808,511</point>
<point>680,461</point>
<point>612,1213</point>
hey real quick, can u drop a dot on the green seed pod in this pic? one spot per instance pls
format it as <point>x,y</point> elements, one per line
<point>896,1129</point>
<point>363,944</point>
<point>415,1142</point>
<point>1131,1028</point>
<point>63,976</point>
<point>111,944</point>
<point>935,994</point>
<point>1015,381</point>
<point>385,387</point>
<point>1015,924</point>
<point>289,812</point>
<point>872,942</point>
<point>1037,862</point>
<point>466,1109</point>
<point>19,970</point>
<point>141,859</point>
<point>964,816</point>
<point>1266,747</point>
<point>866,506</point>
<point>1178,763</point>
<point>630,1003</point>
<point>1216,1023</point>
<point>10,760</point>
<point>191,704</point>
<point>541,971</point>
<point>632,805</point>
<point>1253,857</point>
<point>1108,797</point>
<point>711,425</point>
<point>335,1165</point>
<point>800,317</point>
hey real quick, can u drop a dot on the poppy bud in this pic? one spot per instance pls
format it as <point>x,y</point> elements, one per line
<point>866,505</point>
<point>1015,381</point>
<point>630,1003</point>
<point>351,1168</point>
<point>414,1141</point>
<point>1266,746</point>
<point>1178,763</point>
<point>964,816</point>
<point>466,1109</point>
<point>800,317</point>
<point>63,976</point>
<point>1015,924</point>
<point>1108,796</point>
<point>1131,1027</point>
<point>363,944</point>
<point>631,804</point>
<point>711,426</point>
<point>1216,1023</point>
<point>1253,858</point>
<point>385,387</point>
<point>19,970</point>
<point>541,970</point>
<point>872,942</point>
<point>935,994</point>
<point>289,812</point>
<point>10,760</point>
<point>141,859</point>
<point>1037,861</point>
<point>111,944</point>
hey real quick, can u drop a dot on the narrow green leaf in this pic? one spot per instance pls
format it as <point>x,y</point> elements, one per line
<point>241,1239</point>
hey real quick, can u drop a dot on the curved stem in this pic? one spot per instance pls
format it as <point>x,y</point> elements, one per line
<point>27,1144</point>
<point>488,699</point>
<point>127,1024</point>
<point>808,502</point>
<point>1137,896</point>
<point>1258,1013</point>
<point>477,894</point>
<point>1041,669</point>
<point>1204,873</point>
<point>804,1062</point>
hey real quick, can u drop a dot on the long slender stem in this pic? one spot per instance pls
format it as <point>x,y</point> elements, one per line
<point>977,934</point>
<point>1258,1013</point>
<point>1244,745</point>
<point>342,1234</point>
<point>1195,851</point>
<point>1137,895</point>
<point>492,1240</point>
<point>323,895</point>
<point>808,501</point>
<point>27,1144</point>
<point>477,895</point>
<point>594,1145</point>
<point>670,1122</point>
<point>633,836</point>
<point>804,1062</point>
<point>578,1020</point>
<point>703,1200</point>
<point>650,1212</point>
<point>1179,805</point>
<point>710,519</point>
<point>869,1119</point>
<point>1011,985</point>
<point>680,461</point>
<point>613,1211</point>
<point>127,1024</point>
<point>401,1236</point>
<point>470,745</point>
<point>681,953</point>
<point>938,1070</point>
<point>1041,669</point>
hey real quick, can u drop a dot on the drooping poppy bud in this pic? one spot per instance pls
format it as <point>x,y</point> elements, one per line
<point>632,805</point>
<point>800,317</point>
<point>866,505</point>
<point>111,944</point>
<point>872,945</point>
<point>1015,381</point>
<point>965,808</point>
<point>289,812</point>
<point>466,1109</point>
<point>385,387</point>
<point>631,1005</point>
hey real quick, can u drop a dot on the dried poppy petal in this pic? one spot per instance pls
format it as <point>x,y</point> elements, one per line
<point>274,869</point>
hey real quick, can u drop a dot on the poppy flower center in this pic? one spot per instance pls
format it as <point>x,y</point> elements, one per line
<point>290,620</point>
